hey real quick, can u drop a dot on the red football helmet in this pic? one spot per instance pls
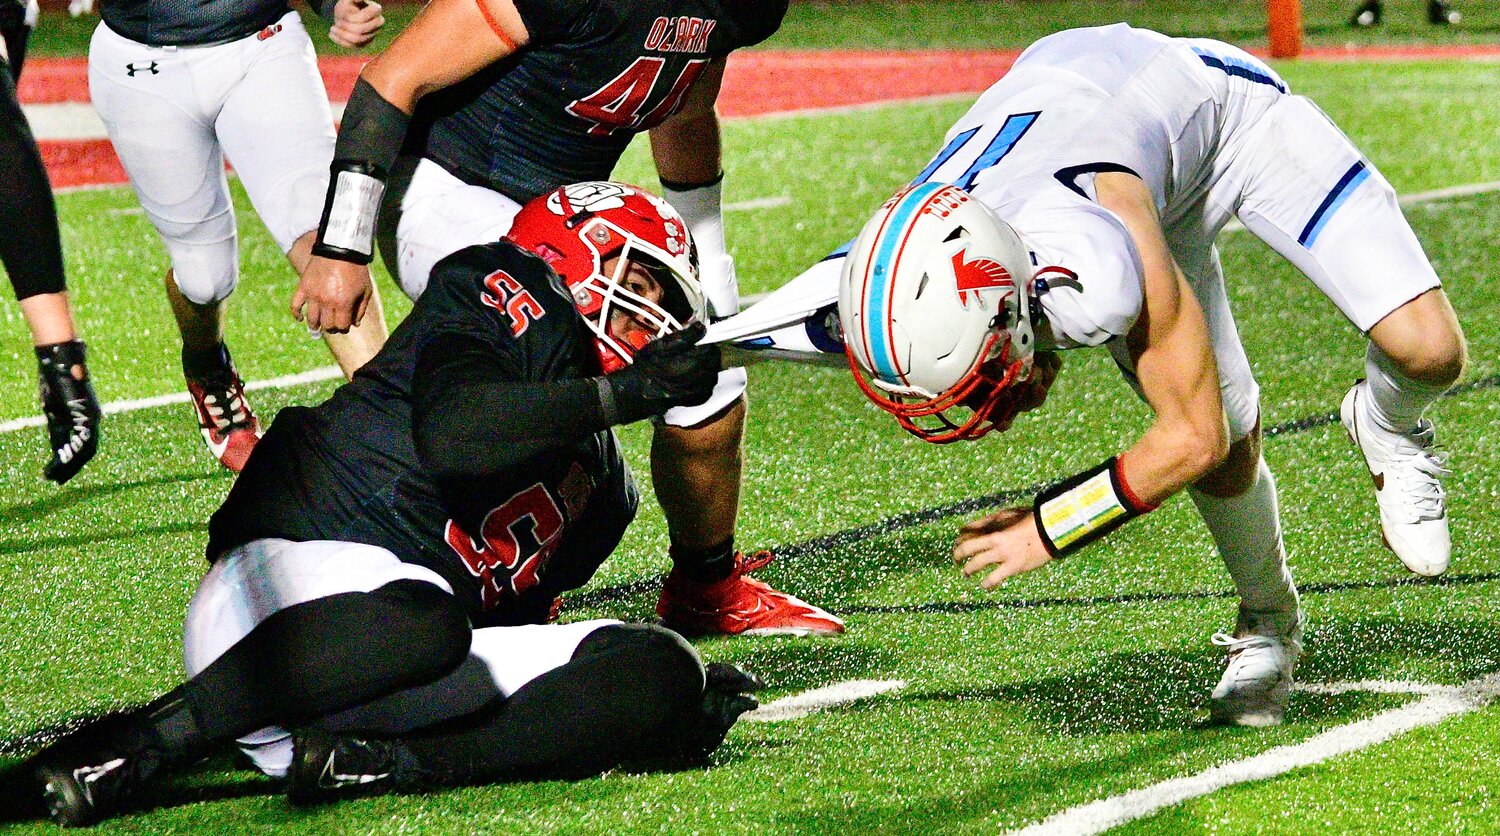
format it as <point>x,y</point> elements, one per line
<point>579,227</point>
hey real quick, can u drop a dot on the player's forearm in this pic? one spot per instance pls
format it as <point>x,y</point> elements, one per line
<point>448,41</point>
<point>474,428</point>
<point>1171,456</point>
<point>687,147</point>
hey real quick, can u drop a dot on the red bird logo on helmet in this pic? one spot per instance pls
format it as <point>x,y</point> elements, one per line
<point>979,274</point>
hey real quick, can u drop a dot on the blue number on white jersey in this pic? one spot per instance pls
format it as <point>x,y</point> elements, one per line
<point>1011,130</point>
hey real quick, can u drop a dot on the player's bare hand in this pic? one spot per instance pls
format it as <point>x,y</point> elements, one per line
<point>1006,543</point>
<point>333,295</point>
<point>355,23</point>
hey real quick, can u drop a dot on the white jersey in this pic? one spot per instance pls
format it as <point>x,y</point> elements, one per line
<point>1089,100</point>
<point>1212,132</point>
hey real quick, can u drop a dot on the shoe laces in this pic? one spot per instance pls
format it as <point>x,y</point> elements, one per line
<point>751,562</point>
<point>225,405</point>
<point>1418,465</point>
<point>1241,651</point>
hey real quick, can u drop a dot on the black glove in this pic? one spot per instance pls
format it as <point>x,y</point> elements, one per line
<point>71,408</point>
<point>670,371</point>
<point>725,697</point>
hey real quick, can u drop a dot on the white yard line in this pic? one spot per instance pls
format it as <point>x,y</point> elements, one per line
<point>1434,707</point>
<point>1374,686</point>
<point>805,703</point>
<point>757,203</point>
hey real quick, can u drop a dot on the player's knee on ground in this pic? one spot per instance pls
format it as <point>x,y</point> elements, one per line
<point>205,259</point>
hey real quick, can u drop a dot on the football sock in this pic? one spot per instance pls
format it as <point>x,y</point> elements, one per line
<point>205,362</point>
<point>620,698</point>
<point>714,563</point>
<point>311,660</point>
<point>1247,531</point>
<point>1396,401</point>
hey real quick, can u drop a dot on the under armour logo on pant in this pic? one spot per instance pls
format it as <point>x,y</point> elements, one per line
<point>133,68</point>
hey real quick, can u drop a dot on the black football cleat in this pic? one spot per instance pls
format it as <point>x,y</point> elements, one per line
<point>86,793</point>
<point>726,696</point>
<point>327,766</point>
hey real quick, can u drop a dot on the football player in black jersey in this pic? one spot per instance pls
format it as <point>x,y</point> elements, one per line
<point>387,560</point>
<point>31,251</point>
<point>498,101</point>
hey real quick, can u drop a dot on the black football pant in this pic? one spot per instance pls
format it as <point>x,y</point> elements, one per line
<point>618,698</point>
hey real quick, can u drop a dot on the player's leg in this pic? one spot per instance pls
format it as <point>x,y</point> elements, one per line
<point>1238,503</point>
<point>695,470</point>
<point>278,633</point>
<point>158,109</point>
<point>429,214</point>
<point>277,129</point>
<point>566,701</point>
<point>1310,195</point>
<point>31,251</point>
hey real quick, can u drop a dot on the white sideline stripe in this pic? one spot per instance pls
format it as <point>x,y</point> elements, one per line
<point>828,696</point>
<point>113,407</point>
<point>64,120</point>
<point>1099,816</point>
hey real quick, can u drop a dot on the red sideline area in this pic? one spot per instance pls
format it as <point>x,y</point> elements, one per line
<point>755,83</point>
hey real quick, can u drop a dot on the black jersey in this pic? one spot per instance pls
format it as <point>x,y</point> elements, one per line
<point>191,22</point>
<point>509,532</point>
<point>595,72</point>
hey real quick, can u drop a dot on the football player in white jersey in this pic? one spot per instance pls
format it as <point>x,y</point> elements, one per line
<point>180,86</point>
<point>1101,169</point>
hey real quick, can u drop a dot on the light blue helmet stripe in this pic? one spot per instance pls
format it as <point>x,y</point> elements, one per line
<point>882,268</point>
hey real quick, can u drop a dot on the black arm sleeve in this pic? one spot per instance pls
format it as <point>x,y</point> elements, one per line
<point>472,416</point>
<point>29,245</point>
<point>372,130</point>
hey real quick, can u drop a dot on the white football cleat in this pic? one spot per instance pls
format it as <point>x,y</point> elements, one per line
<point>1406,469</point>
<point>1257,678</point>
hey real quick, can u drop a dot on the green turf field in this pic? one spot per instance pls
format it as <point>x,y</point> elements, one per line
<point>1075,683</point>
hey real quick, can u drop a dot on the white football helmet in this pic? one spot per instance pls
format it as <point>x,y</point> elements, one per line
<point>935,301</point>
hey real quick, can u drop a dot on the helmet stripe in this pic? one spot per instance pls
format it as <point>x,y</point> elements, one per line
<point>880,272</point>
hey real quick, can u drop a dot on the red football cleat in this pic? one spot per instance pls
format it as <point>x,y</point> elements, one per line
<point>230,428</point>
<point>740,605</point>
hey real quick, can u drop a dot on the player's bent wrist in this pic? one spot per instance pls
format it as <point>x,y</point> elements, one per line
<point>346,231</point>
<point>1083,508</point>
